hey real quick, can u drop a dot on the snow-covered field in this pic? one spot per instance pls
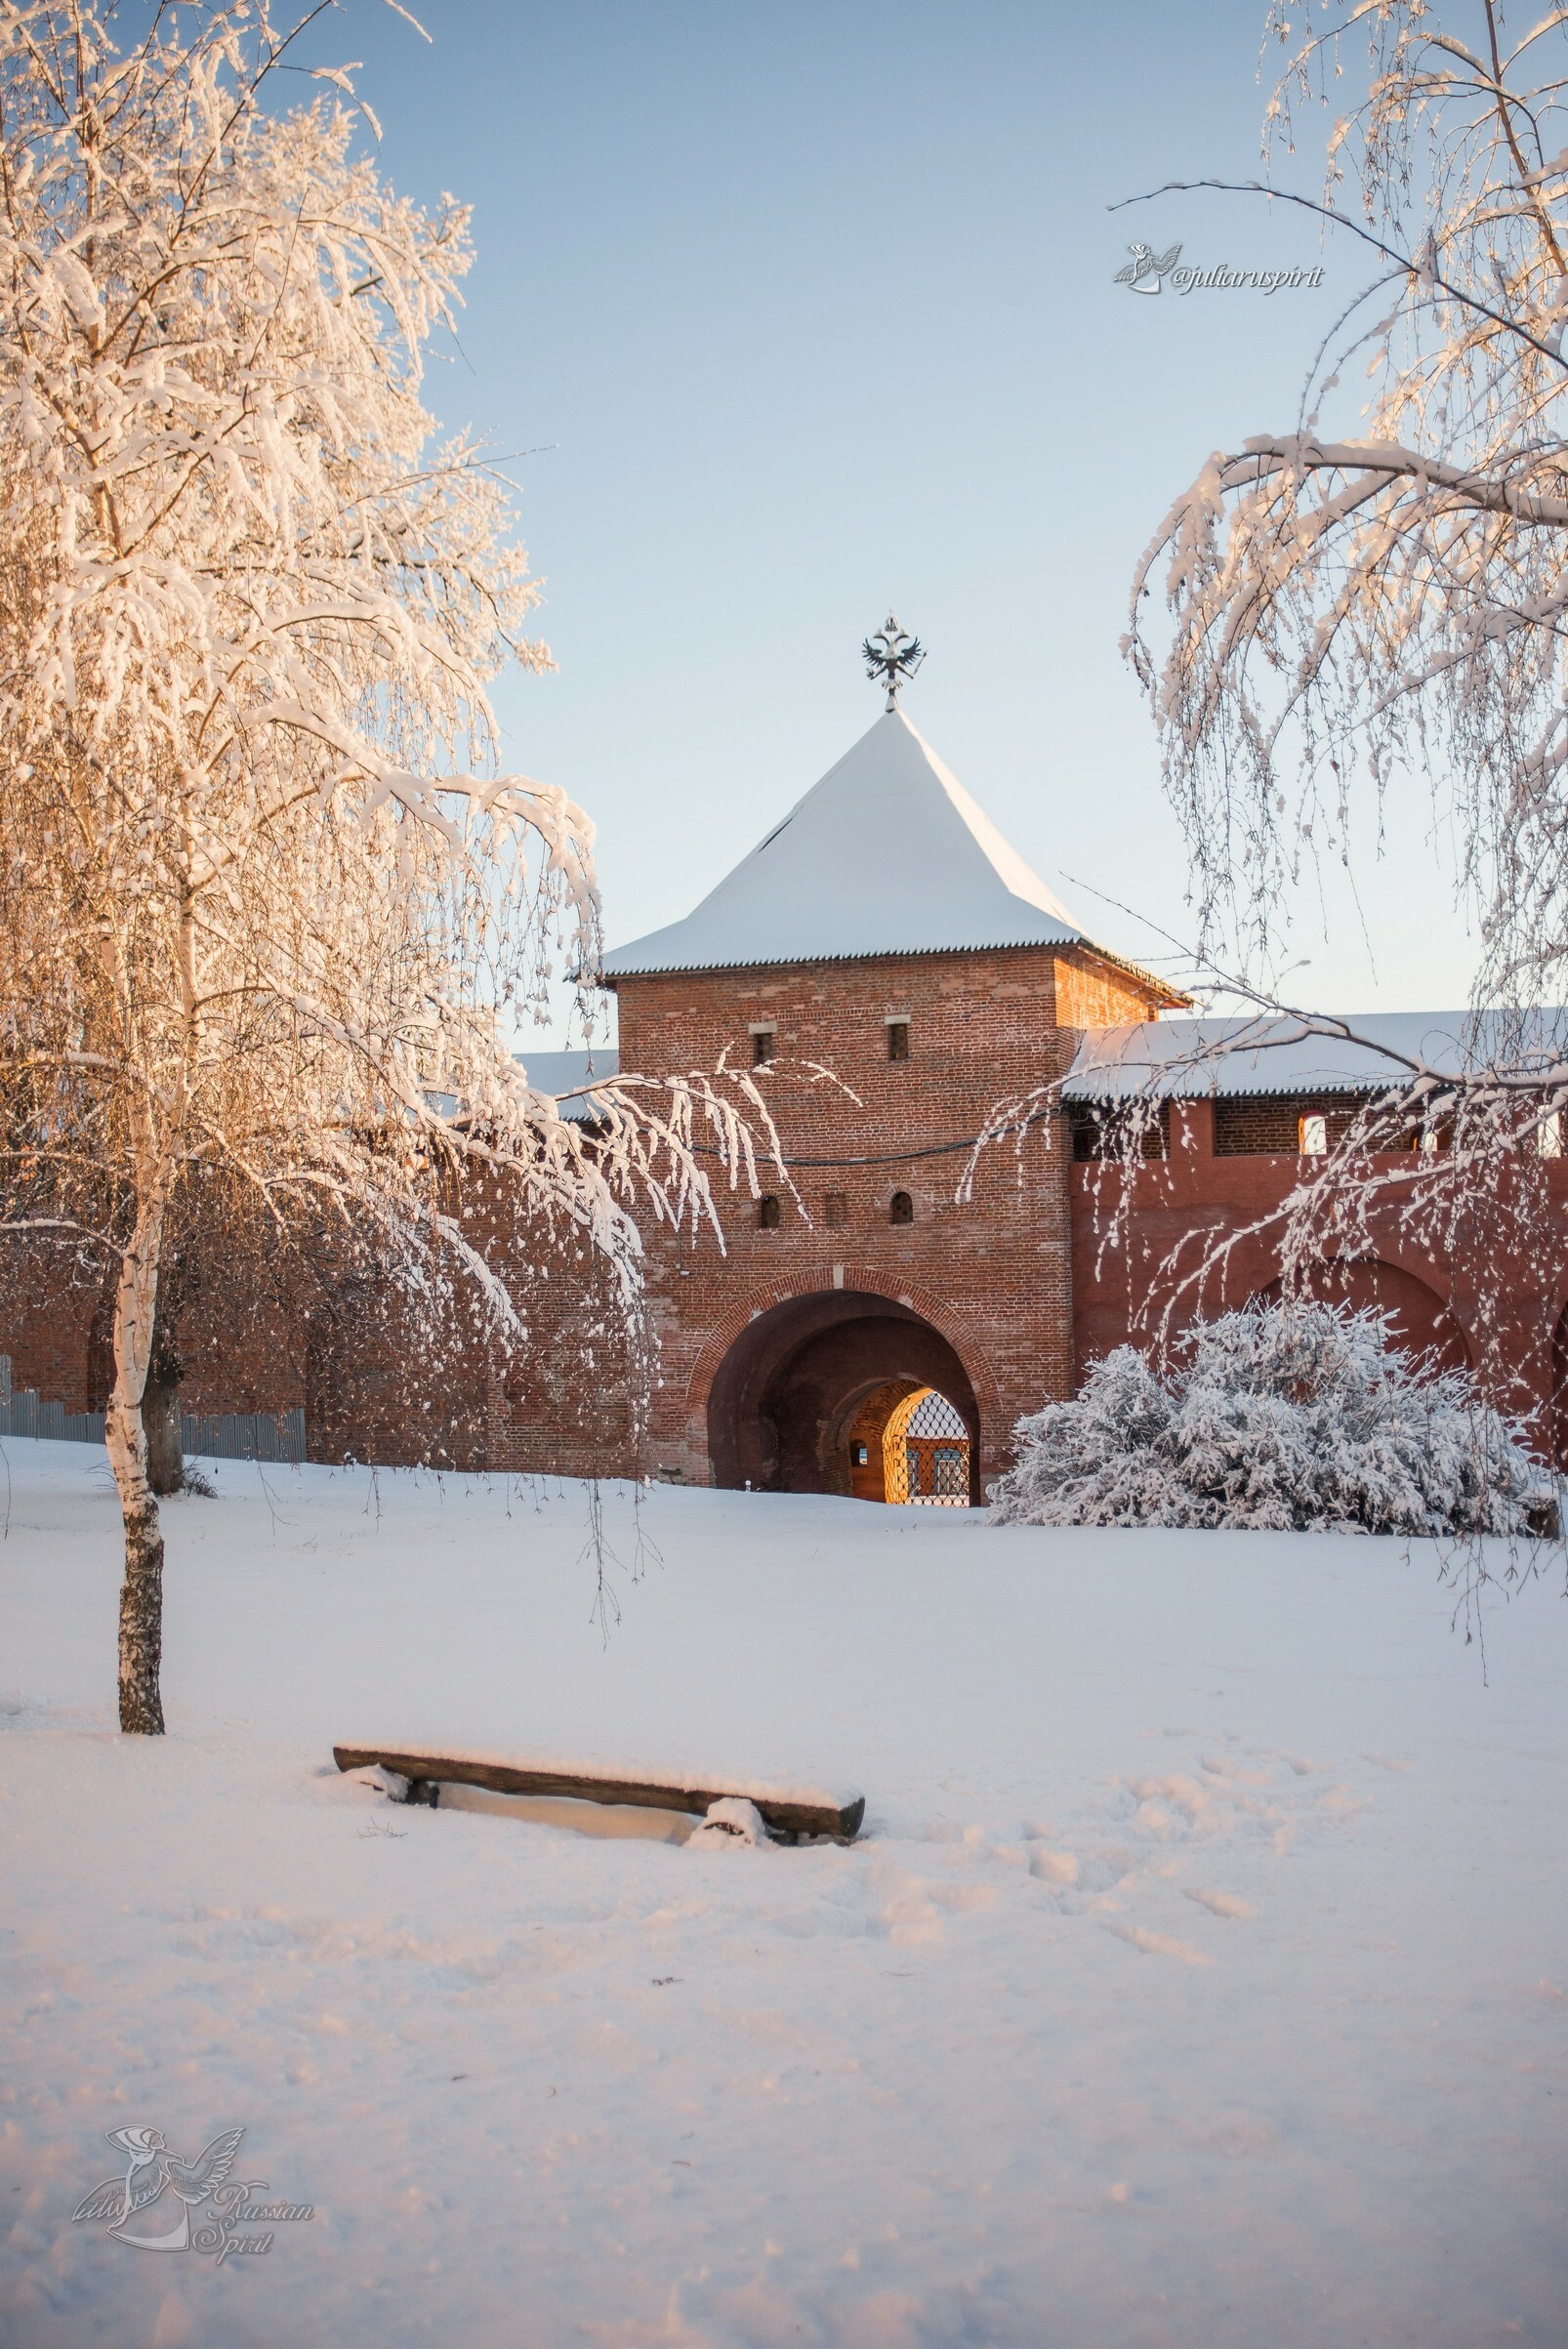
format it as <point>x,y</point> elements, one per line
<point>1200,1977</point>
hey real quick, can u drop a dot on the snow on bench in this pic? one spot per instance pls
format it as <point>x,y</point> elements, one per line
<point>787,1810</point>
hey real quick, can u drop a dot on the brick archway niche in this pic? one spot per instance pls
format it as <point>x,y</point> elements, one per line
<point>787,1393</point>
<point>1420,1321</point>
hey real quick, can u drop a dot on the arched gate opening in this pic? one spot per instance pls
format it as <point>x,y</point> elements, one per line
<point>815,1382</point>
<point>910,1445</point>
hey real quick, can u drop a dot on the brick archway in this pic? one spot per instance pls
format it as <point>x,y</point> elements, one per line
<point>786,1385</point>
<point>864,1281</point>
<point>1421,1322</point>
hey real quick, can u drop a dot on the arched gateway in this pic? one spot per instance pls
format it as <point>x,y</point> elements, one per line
<point>813,1382</point>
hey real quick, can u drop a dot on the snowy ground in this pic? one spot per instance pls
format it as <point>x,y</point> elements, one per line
<point>1200,1978</point>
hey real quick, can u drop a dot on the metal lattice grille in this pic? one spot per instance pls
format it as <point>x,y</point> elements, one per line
<point>925,1452</point>
<point>933,1415</point>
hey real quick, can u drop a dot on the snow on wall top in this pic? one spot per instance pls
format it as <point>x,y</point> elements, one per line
<point>887,855</point>
<point>566,1075</point>
<point>1196,1058</point>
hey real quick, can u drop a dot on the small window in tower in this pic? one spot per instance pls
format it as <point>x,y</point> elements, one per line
<point>858,1455</point>
<point>762,1042</point>
<point>1314,1138</point>
<point>835,1208</point>
<point>902,1209</point>
<point>767,1214</point>
<point>898,1039</point>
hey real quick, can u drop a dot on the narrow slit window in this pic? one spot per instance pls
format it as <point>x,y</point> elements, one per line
<point>898,1039</point>
<point>903,1209</point>
<point>764,1041</point>
<point>1314,1136</point>
<point>767,1214</point>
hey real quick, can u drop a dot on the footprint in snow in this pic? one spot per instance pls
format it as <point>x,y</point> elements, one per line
<point>1158,1945</point>
<point>1053,1867</point>
<point>1220,1904</point>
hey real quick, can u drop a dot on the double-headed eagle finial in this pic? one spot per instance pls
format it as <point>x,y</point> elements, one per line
<point>891,657</point>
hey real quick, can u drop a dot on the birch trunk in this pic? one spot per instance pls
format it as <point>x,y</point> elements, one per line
<point>142,1591</point>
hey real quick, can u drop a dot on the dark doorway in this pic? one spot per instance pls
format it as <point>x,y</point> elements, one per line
<point>787,1395</point>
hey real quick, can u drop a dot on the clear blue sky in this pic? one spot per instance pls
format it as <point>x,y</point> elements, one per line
<point>813,304</point>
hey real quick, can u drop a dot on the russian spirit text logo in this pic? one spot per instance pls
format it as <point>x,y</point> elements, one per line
<point>213,2209</point>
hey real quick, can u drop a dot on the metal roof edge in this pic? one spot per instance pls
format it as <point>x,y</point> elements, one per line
<point>1173,998</point>
<point>880,954</point>
<point>1281,1055</point>
<point>1170,997</point>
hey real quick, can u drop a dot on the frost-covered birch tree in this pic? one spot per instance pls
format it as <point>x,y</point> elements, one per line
<point>267,903</point>
<point>1323,607</point>
<point>1339,605</point>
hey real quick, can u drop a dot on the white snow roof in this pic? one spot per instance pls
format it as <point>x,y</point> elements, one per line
<point>1194,1059</point>
<point>887,855</point>
<point>567,1076</point>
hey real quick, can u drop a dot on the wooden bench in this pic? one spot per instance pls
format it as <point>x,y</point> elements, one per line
<point>427,1773</point>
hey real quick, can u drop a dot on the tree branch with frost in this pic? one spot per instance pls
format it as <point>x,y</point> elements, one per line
<point>1320,609</point>
<point>1334,607</point>
<point>1407,264</point>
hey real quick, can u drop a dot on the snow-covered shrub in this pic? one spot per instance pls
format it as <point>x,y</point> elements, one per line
<point>1284,1417</point>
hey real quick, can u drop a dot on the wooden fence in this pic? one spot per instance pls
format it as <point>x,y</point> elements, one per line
<point>203,1435</point>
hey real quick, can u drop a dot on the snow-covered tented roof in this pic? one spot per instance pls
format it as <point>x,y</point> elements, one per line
<point>887,855</point>
<point>568,1076</point>
<point>1196,1058</point>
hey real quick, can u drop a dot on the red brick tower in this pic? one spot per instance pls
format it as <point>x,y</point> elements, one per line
<point>886,931</point>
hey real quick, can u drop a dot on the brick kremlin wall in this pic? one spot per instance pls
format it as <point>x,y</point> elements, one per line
<point>1000,1301</point>
<point>327,1329</point>
<point>1131,1252</point>
<point>977,1293</point>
